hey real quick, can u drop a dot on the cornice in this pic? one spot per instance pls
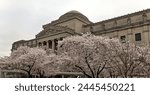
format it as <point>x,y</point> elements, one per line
<point>119,17</point>
<point>123,27</point>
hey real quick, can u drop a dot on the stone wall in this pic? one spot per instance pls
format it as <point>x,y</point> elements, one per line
<point>127,25</point>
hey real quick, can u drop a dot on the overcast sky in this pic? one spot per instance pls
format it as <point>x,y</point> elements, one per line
<point>23,19</point>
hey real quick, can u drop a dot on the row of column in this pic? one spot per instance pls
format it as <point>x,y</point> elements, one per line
<point>50,44</point>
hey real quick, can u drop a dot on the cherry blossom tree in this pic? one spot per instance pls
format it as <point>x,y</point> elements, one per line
<point>3,62</point>
<point>29,60</point>
<point>97,56</point>
<point>125,59</point>
<point>144,53</point>
<point>94,56</point>
<point>88,53</point>
<point>36,61</point>
<point>56,64</point>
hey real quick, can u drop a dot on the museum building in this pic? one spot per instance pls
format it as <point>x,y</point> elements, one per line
<point>134,27</point>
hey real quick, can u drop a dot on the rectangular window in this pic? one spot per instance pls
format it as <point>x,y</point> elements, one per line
<point>138,37</point>
<point>123,39</point>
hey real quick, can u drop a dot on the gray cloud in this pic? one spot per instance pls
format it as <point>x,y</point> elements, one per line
<point>23,19</point>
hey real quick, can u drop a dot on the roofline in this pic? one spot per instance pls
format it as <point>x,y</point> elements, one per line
<point>23,41</point>
<point>119,17</point>
<point>55,22</point>
<point>55,34</point>
<point>75,17</point>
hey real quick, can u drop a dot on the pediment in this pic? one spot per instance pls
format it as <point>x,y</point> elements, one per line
<point>53,30</point>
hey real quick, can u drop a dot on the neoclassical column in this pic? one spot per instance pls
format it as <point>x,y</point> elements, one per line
<point>130,36</point>
<point>56,43</point>
<point>145,35</point>
<point>47,45</point>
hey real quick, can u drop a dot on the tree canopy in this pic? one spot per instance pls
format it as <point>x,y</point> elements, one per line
<point>93,56</point>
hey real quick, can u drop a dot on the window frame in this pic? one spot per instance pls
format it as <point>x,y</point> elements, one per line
<point>138,37</point>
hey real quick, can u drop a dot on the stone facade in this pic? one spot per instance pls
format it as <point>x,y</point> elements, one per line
<point>134,27</point>
<point>68,24</point>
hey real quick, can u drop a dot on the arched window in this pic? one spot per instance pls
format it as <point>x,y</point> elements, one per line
<point>50,44</point>
<point>44,43</point>
<point>40,44</point>
<point>61,38</point>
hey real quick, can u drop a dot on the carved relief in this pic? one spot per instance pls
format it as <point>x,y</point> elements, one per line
<point>128,20</point>
<point>144,17</point>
